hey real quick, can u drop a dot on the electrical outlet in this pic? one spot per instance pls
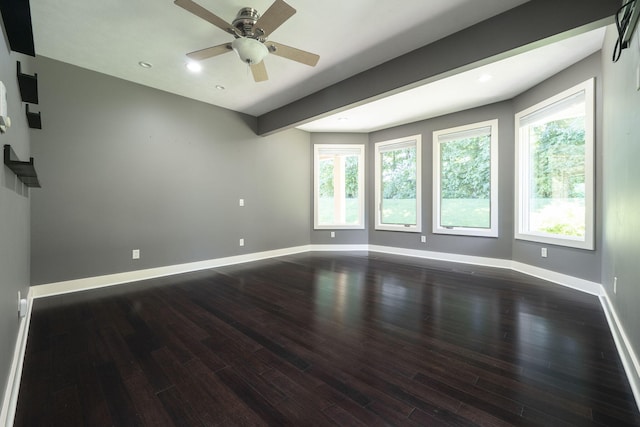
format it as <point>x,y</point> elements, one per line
<point>423,239</point>
<point>615,285</point>
<point>333,234</point>
<point>22,306</point>
<point>241,202</point>
<point>543,252</point>
<point>135,254</point>
<point>241,242</point>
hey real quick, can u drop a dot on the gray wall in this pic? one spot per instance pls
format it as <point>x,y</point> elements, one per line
<point>127,167</point>
<point>14,213</point>
<point>621,235</point>
<point>579,263</point>
<point>475,246</point>
<point>323,237</point>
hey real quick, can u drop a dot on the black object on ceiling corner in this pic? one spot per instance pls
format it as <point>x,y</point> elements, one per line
<point>16,16</point>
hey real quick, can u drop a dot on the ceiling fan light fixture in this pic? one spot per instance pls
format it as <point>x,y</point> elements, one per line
<point>250,51</point>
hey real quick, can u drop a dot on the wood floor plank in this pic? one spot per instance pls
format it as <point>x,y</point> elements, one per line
<point>325,339</point>
<point>145,400</point>
<point>121,408</point>
<point>179,409</point>
<point>66,406</point>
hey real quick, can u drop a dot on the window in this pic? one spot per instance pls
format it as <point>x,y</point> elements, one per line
<point>555,169</point>
<point>465,180</point>
<point>397,184</point>
<point>339,186</point>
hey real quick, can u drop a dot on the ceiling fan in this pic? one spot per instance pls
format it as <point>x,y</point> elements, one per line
<point>251,32</point>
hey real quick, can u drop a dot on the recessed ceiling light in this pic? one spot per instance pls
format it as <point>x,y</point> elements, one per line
<point>144,64</point>
<point>485,78</point>
<point>220,87</point>
<point>194,67</point>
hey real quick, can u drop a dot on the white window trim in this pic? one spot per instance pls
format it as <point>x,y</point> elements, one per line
<point>522,175</point>
<point>467,231</point>
<point>361,186</point>
<point>408,228</point>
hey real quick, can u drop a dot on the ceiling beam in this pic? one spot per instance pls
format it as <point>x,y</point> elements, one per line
<point>503,35</point>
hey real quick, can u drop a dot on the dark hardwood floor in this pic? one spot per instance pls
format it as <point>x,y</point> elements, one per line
<point>325,339</point>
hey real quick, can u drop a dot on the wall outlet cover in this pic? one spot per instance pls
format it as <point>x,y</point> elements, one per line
<point>3,100</point>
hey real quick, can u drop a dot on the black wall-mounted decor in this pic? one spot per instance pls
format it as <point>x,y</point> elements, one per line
<point>16,15</point>
<point>25,171</point>
<point>28,86</point>
<point>34,119</point>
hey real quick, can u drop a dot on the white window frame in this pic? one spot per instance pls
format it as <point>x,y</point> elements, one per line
<point>356,148</point>
<point>388,146</point>
<point>492,231</point>
<point>522,173</point>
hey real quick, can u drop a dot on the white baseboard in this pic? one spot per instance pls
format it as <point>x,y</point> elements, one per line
<point>628,356</point>
<point>68,286</point>
<point>442,256</point>
<point>625,350</point>
<point>586,286</point>
<point>12,390</point>
<point>338,248</point>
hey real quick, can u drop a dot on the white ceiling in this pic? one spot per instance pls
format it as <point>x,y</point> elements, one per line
<point>483,85</point>
<point>113,36</point>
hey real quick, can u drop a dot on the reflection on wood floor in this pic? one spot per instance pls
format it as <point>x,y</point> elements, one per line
<point>325,339</point>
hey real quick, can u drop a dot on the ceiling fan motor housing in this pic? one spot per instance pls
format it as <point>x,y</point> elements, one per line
<point>245,22</point>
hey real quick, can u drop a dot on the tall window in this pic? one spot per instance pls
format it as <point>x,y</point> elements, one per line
<point>339,186</point>
<point>465,180</point>
<point>555,170</point>
<point>397,182</point>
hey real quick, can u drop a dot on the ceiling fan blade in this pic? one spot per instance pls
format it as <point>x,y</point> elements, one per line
<point>203,13</point>
<point>275,16</point>
<point>259,72</point>
<point>210,52</point>
<point>292,53</point>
